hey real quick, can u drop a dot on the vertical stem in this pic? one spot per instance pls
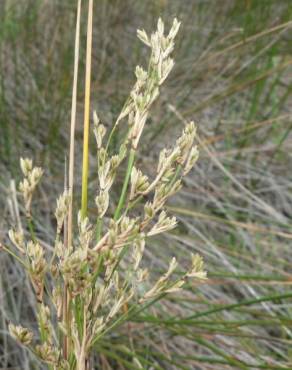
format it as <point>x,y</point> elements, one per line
<point>86,112</point>
<point>82,360</point>
<point>73,124</point>
<point>125,185</point>
<point>31,227</point>
<point>66,310</point>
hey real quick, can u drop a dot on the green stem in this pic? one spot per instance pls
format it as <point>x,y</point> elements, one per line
<point>125,185</point>
<point>31,228</point>
<point>173,180</point>
<point>41,327</point>
<point>86,112</point>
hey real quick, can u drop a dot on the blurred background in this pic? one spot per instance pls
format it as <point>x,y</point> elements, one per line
<point>233,77</point>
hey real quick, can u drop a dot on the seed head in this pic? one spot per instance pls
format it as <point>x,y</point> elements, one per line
<point>197,268</point>
<point>139,183</point>
<point>26,166</point>
<point>62,209</point>
<point>47,353</point>
<point>22,335</point>
<point>192,159</point>
<point>142,35</point>
<point>99,130</point>
<point>164,224</point>
<point>102,202</point>
<point>17,238</point>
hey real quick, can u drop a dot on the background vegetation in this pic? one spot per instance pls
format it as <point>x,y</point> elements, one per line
<point>233,77</point>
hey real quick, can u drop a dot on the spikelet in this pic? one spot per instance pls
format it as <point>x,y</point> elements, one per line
<point>20,334</point>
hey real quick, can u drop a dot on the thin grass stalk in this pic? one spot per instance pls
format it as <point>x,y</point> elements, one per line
<point>81,361</point>
<point>87,112</point>
<point>125,184</point>
<point>66,311</point>
<point>73,123</point>
<point>66,298</point>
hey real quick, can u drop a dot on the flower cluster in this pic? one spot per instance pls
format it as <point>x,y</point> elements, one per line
<point>32,176</point>
<point>98,281</point>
